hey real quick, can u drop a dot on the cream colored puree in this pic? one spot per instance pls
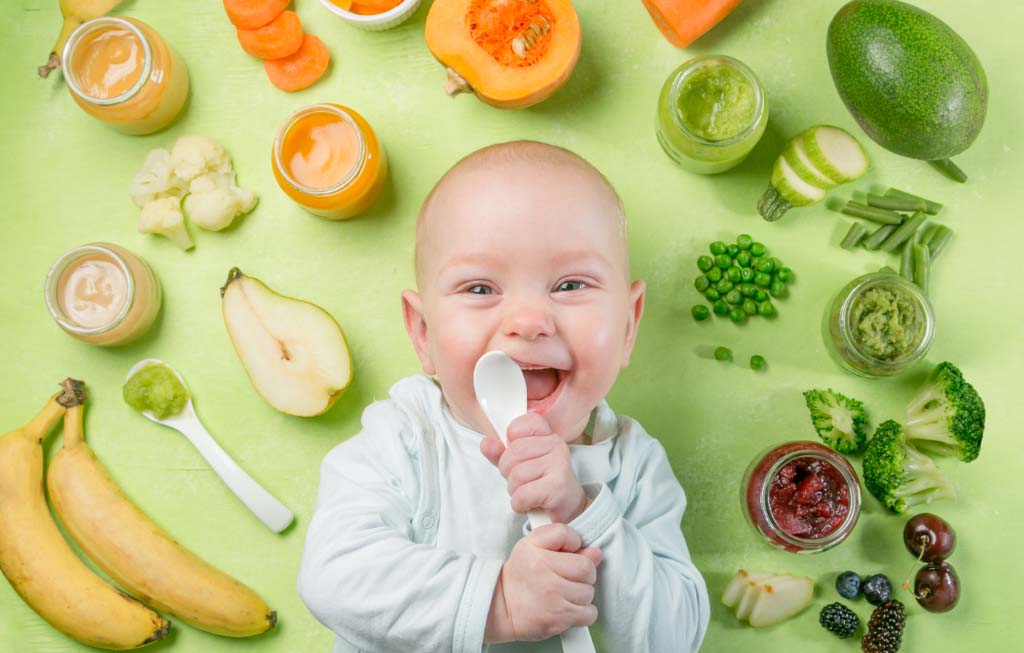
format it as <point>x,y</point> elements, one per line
<point>93,291</point>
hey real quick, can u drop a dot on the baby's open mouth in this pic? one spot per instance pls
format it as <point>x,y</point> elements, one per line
<point>543,387</point>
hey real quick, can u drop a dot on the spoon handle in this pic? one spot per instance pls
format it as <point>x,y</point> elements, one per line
<point>274,514</point>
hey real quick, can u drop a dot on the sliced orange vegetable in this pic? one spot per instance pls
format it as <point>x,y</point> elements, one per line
<point>299,70</point>
<point>344,4</point>
<point>278,38</point>
<point>254,14</point>
<point>684,21</point>
<point>372,7</point>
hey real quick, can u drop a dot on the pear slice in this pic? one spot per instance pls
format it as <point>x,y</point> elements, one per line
<point>781,598</point>
<point>294,351</point>
<point>733,593</point>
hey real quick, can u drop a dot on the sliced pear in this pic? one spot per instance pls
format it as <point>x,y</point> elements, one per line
<point>781,598</point>
<point>293,351</point>
<point>738,584</point>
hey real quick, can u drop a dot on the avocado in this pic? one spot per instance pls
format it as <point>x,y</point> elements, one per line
<point>911,82</point>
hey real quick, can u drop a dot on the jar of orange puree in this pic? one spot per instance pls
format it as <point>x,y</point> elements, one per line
<point>327,158</point>
<point>122,72</point>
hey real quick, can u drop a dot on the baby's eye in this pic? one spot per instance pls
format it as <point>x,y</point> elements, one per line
<point>480,289</point>
<point>567,286</point>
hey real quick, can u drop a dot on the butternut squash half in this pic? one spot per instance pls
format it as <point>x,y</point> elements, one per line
<point>511,53</point>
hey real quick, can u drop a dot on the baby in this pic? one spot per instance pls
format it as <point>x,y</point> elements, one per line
<point>420,540</point>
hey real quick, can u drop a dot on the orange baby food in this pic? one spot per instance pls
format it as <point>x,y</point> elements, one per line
<point>327,158</point>
<point>122,72</point>
<point>93,291</point>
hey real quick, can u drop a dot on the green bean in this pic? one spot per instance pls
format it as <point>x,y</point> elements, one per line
<point>907,260</point>
<point>854,236</point>
<point>931,208</point>
<point>938,241</point>
<point>904,232</point>
<point>950,169</point>
<point>881,216</point>
<point>700,312</point>
<point>922,267</point>
<point>757,362</point>
<point>875,239</point>
<point>723,354</point>
<point>897,203</point>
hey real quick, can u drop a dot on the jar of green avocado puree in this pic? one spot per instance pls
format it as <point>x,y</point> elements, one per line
<point>711,113</point>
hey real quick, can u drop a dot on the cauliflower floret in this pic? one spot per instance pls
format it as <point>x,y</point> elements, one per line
<point>193,156</point>
<point>163,216</point>
<point>156,179</point>
<point>214,200</point>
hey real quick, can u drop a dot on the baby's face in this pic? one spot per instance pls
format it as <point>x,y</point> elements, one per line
<point>529,259</point>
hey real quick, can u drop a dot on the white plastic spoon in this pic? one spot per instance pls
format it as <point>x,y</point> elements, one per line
<point>501,392</point>
<point>269,510</point>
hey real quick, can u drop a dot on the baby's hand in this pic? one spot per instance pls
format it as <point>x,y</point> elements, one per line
<point>545,587</point>
<point>538,468</point>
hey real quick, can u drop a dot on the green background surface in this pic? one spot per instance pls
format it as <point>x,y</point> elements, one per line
<point>64,180</point>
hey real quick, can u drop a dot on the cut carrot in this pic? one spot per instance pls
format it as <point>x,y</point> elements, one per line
<point>344,4</point>
<point>684,21</point>
<point>254,14</point>
<point>299,70</point>
<point>372,7</point>
<point>278,38</point>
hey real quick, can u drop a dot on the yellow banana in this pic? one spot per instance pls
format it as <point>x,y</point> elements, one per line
<point>75,12</point>
<point>41,566</point>
<point>137,554</point>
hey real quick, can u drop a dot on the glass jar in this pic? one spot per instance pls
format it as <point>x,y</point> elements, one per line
<point>885,300</point>
<point>801,497</point>
<point>121,71</point>
<point>327,158</point>
<point>102,294</point>
<point>711,113</point>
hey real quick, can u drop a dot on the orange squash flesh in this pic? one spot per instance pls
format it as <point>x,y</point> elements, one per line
<point>511,53</point>
<point>684,21</point>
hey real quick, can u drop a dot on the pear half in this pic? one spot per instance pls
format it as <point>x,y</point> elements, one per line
<point>294,352</point>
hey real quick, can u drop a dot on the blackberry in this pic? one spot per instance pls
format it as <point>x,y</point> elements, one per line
<point>885,629</point>
<point>877,589</point>
<point>848,585</point>
<point>839,620</point>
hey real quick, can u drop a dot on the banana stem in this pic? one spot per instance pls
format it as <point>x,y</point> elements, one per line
<point>74,429</point>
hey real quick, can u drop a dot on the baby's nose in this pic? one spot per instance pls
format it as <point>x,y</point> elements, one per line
<point>529,321</point>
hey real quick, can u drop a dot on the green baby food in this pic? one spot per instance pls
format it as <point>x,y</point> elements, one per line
<point>717,102</point>
<point>887,322</point>
<point>155,388</point>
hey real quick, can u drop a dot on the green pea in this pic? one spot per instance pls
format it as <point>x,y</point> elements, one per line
<point>778,289</point>
<point>711,294</point>
<point>743,259</point>
<point>747,275</point>
<point>776,263</point>
<point>723,354</point>
<point>766,308</point>
<point>717,247</point>
<point>733,274</point>
<point>715,274</point>
<point>724,286</point>
<point>737,315</point>
<point>757,362</point>
<point>723,261</point>
<point>705,263</point>
<point>761,279</point>
<point>720,307</point>
<point>701,283</point>
<point>734,297</point>
<point>744,241</point>
<point>758,249</point>
<point>760,295</point>
<point>748,290</point>
<point>732,250</point>
<point>750,307</point>
<point>765,265</point>
<point>700,312</point>
<point>785,275</point>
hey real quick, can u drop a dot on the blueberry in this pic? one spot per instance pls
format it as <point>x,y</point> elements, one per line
<point>877,589</point>
<point>848,585</point>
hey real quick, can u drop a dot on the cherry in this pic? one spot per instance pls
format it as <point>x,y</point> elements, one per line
<point>936,587</point>
<point>929,538</point>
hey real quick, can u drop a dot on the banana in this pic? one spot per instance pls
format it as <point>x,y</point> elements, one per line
<point>74,12</point>
<point>137,554</point>
<point>37,560</point>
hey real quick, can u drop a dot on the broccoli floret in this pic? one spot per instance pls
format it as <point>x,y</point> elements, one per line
<point>947,415</point>
<point>839,421</point>
<point>899,475</point>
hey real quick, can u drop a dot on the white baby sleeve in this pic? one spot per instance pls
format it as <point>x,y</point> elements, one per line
<point>363,577</point>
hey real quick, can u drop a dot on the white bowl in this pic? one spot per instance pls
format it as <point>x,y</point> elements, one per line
<point>375,22</point>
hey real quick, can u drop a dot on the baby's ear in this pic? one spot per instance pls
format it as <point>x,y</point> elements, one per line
<point>636,310</point>
<point>416,327</point>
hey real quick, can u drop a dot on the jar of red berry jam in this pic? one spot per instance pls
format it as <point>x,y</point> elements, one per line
<point>801,496</point>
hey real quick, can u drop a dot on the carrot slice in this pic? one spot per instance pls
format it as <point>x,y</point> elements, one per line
<point>299,70</point>
<point>253,14</point>
<point>684,21</point>
<point>344,4</point>
<point>371,7</point>
<point>278,38</point>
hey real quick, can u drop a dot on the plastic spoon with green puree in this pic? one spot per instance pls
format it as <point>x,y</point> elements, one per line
<point>158,392</point>
<point>501,392</point>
